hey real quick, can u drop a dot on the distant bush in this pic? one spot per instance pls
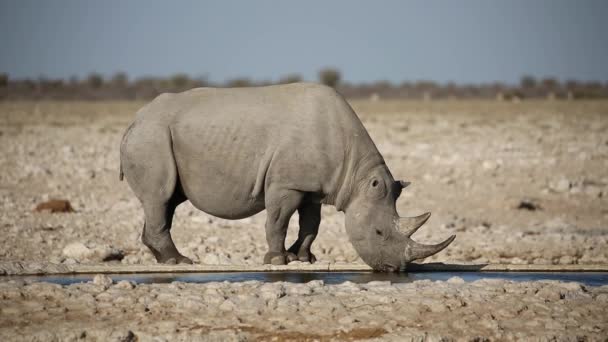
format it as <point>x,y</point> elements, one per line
<point>291,78</point>
<point>119,87</point>
<point>180,81</point>
<point>549,83</point>
<point>239,83</point>
<point>73,81</point>
<point>527,82</point>
<point>329,77</point>
<point>426,85</point>
<point>3,79</point>
<point>120,79</point>
<point>95,80</point>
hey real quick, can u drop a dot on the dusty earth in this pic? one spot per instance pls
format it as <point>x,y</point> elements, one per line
<point>517,182</point>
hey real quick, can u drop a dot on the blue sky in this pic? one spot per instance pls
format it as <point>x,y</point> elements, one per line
<point>462,41</point>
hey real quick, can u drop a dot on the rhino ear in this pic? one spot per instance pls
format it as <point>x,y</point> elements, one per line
<point>403,184</point>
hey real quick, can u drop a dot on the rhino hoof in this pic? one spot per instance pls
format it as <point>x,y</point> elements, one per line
<point>184,260</point>
<point>291,257</point>
<point>179,260</point>
<point>278,258</point>
<point>307,257</point>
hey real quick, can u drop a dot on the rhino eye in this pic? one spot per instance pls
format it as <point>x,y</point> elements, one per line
<point>376,188</point>
<point>378,232</point>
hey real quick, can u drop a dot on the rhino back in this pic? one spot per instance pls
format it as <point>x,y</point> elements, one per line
<point>230,145</point>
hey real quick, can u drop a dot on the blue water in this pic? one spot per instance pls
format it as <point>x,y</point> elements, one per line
<point>587,278</point>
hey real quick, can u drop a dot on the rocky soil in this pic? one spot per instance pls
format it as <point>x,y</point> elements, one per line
<point>101,310</point>
<point>517,182</point>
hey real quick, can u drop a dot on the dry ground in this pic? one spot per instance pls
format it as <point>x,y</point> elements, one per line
<point>471,163</point>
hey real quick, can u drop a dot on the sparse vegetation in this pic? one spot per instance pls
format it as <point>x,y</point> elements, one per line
<point>180,81</point>
<point>120,87</point>
<point>95,80</point>
<point>120,79</point>
<point>3,79</point>
<point>291,78</point>
<point>329,77</point>
<point>527,82</point>
<point>239,82</point>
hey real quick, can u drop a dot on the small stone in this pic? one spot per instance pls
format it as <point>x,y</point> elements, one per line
<point>562,185</point>
<point>70,261</point>
<point>271,291</point>
<point>55,206</point>
<point>299,290</point>
<point>123,336</point>
<point>315,283</point>
<point>518,261</point>
<point>125,284</point>
<point>489,165</point>
<point>210,259</point>
<point>528,204</point>
<point>81,252</point>
<point>346,320</point>
<point>227,305</point>
<point>567,260</point>
<point>131,259</point>
<point>77,251</point>
<point>103,280</point>
<point>456,280</point>
<point>108,253</point>
<point>593,191</point>
<point>212,240</point>
<point>550,293</point>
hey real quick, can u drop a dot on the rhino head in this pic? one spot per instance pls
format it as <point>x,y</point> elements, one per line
<point>380,236</point>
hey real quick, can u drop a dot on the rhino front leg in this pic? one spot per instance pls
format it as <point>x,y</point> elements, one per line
<point>280,206</point>
<point>310,218</point>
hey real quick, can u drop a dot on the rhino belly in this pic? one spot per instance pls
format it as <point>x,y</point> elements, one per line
<point>218,168</point>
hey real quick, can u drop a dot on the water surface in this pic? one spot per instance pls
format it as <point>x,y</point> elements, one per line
<point>587,278</point>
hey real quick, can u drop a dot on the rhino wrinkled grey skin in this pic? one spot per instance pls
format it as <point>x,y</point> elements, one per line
<point>234,152</point>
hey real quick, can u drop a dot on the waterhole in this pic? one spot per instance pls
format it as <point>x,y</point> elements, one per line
<point>587,278</point>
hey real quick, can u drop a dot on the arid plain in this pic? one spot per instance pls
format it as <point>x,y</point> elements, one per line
<point>517,182</point>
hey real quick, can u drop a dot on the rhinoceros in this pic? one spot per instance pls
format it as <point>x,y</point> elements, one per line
<point>234,152</point>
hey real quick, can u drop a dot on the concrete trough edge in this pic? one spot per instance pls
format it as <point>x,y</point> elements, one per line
<point>43,268</point>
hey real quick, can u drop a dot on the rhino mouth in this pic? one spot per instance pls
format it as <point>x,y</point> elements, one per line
<point>389,268</point>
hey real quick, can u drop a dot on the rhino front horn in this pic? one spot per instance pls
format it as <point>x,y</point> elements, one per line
<point>415,250</point>
<point>409,225</point>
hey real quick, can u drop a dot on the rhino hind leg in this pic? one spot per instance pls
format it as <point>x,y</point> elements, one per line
<point>310,218</point>
<point>280,206</point>
<point>150,170</point>
<point>157,232</point>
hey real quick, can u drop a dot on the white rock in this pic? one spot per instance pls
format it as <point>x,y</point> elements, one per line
<point>124,284</point>
<point>211,259</point>
<point>346,320</point>
<point>489,165</point>
<point>212,239</point>
<point>456,280</point>
<point>315,283</point>
<point>70,261</point>
<point>561,185</point>
<point>227,305</point>
<point>77,251</point>
<point>103,280</point>
<point>271,291</point>
<point>299,290</point>
<point>82,252</point>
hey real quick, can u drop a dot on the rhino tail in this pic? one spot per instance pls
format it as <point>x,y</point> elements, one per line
<point>121,174</point>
